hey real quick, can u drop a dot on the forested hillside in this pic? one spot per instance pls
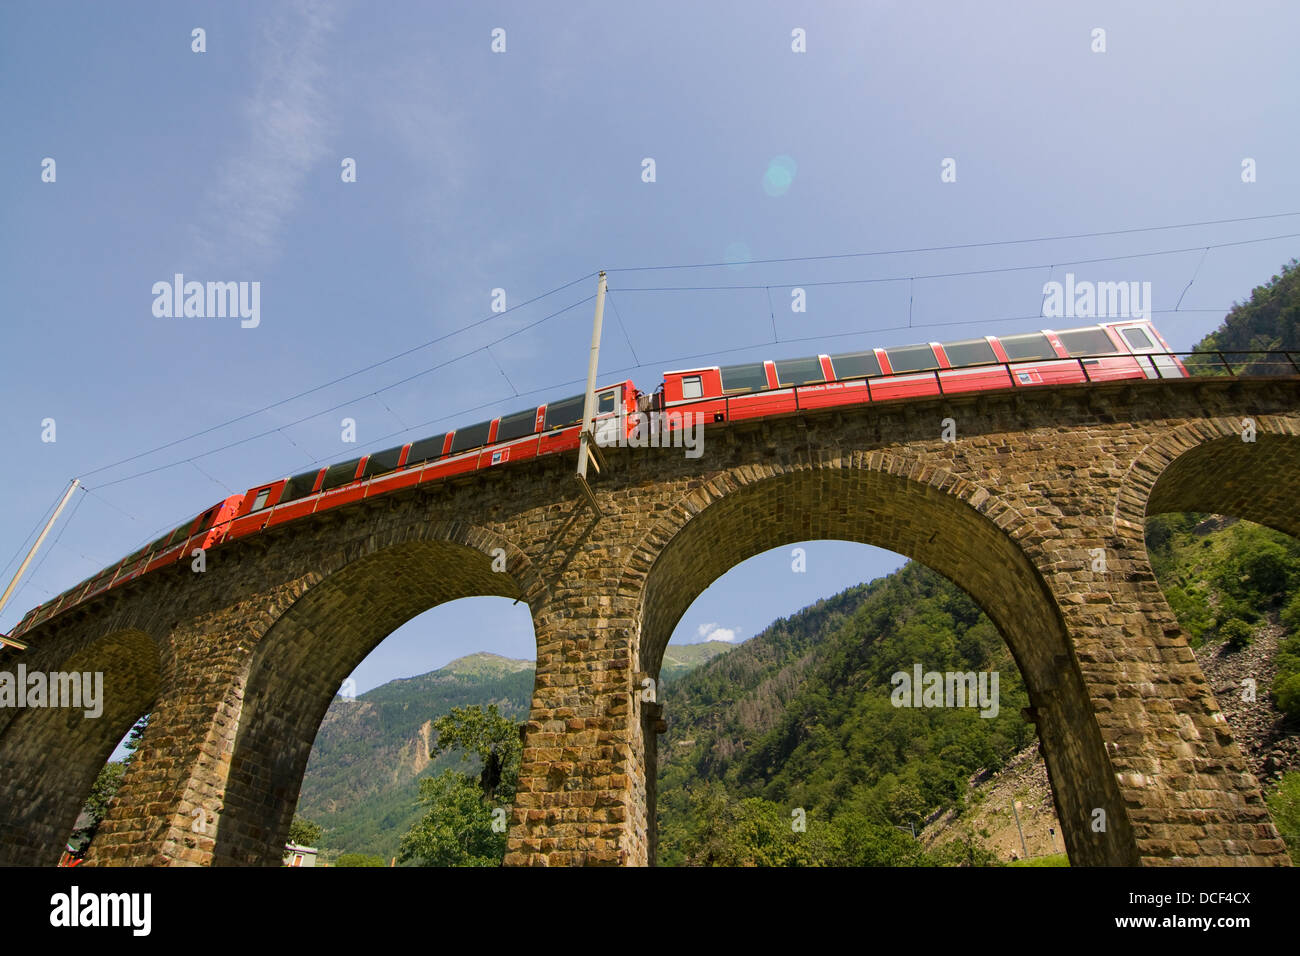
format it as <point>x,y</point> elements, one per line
<point>1269,320</point>
<point>800,718</point>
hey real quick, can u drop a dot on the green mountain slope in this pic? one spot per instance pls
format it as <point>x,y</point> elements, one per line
<point>801,718</point>
<point>681,659</point>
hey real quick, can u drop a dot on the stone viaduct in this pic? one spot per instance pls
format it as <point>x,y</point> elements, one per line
<point>237,665</point>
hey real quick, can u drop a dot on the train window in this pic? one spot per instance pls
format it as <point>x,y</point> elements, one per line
<point>911,358</point>
<point>336,476</point>
<point>744,378</point>
<point>382,462</point>
<point>517,425</point>
<point>567,411</point>
<point>179,533</point>
<point>260,501</point>
<point>1086,342</point>
<point>692,387</point>
<point>176,535</point>
<point>969,352</point>
<point>803,371</point>
<point>142,552</point>
<point>855,365</point>
<point>1138,339</point>
<point>1021,348</point>
<point>299,486</point>
<point>470,437</point>
<point>426,449</point>
<point>606,402</point>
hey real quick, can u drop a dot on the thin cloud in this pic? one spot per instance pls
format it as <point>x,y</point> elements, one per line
<point>284,131</point>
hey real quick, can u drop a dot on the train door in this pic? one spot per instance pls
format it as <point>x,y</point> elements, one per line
<point>1137,336</point>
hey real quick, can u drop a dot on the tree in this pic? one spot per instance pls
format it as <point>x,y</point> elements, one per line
<point>493,739</point>
<point>104,789</point>
<point>906,806</point>
<point>359,859</point>
<point>1270,320</point>
<point>464,823</point>
<point>304,832</point>
<point>457,828</point>
<point>752,832</point>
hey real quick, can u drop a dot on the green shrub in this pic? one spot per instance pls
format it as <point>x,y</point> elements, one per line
<point>1192,611</point>
<point>1290,616</point>
<point>1286,685</point>
<point>1286,688</point>
<point>1284,805</point>
<point>1231,608</point>
<point>1236,633</point>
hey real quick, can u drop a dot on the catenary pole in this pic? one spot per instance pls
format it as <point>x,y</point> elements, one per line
<point>4,599</point>
<point>586,446</point>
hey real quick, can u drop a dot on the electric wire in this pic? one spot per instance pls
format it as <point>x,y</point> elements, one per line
<point>697,265</point>
<point>957,246</point>
<point>342,378</point>
<point>953,275</point>
<point>344,404</point>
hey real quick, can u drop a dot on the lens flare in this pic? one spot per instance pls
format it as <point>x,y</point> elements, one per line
<point>779,176</point>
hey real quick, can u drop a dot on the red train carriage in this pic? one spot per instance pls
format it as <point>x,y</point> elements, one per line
<point>1111,350</point>
<point>1104,352</point>
<point>541,430</point>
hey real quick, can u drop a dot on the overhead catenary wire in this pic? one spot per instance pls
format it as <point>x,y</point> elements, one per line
<point>695,265</point>
<point>959,246</point>
<point>54,544</point>
<point>344,404</point>
<point>501,370</point>
<point>619,318</point>
<point>738,287</point>
<point>554,386</point>
<point>340,379</point>
<point>40,522</point>
<point>954,275</point>
<point>1195,273</point>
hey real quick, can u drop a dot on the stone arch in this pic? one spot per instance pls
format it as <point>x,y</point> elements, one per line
<point>1207,467</point>
<point>50,757</point>
<point>952,526</point>
<point>299,664</point>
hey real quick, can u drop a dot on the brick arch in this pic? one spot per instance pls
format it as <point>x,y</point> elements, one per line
<point>952,526</point>
<point>50,757</point>
<point>297,667</point>
<point>1206,467</point>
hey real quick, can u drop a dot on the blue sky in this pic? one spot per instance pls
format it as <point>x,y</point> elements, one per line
<point>522,170</point>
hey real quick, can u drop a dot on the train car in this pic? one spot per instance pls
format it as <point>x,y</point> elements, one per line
<point>1094,353</point>
<point>546,429</point>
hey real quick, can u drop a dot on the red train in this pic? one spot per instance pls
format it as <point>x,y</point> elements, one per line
<point>1095,353</point>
